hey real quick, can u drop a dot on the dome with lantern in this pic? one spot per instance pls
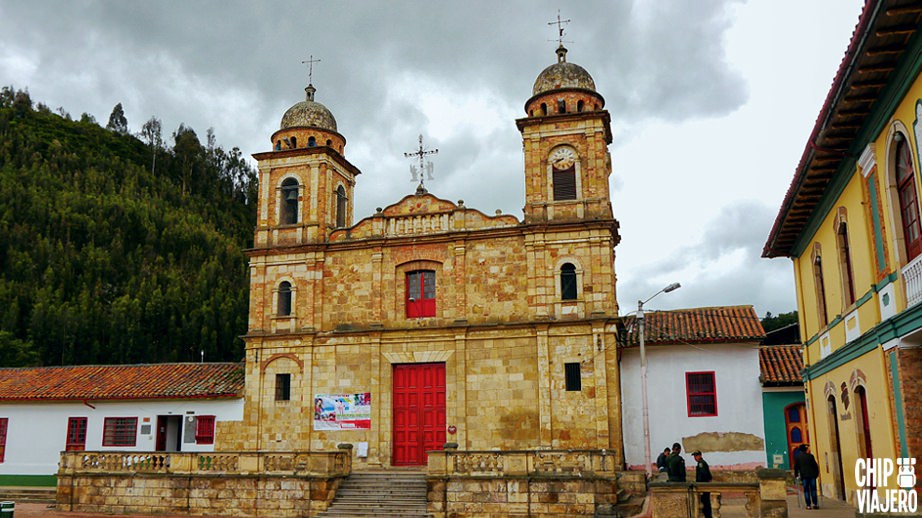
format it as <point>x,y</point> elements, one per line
<point>308,113</point>
<point>563,75</point>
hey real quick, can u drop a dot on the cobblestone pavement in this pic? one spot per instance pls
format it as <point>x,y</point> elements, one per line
<point>46,510</point>
<point>829,508</point>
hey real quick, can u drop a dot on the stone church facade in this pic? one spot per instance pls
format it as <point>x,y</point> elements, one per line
<point>431,322</point>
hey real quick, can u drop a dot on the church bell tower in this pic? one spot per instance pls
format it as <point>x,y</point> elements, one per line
<point>565,137</point>
<point>306,185</point>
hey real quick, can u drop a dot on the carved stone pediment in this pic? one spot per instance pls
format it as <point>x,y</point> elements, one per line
<point>422,214</point>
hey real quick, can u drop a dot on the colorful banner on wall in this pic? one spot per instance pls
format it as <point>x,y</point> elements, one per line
<point>342,411</point>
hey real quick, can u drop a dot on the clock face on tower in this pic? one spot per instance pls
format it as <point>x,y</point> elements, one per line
<point>563,158</point>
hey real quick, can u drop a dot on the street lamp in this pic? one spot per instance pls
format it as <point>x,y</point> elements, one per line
<point>643,376</point>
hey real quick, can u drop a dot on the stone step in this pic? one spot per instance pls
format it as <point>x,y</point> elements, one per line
<point>34,495</point>
<point>403,514</point>
<point>387,487</point>
<point>353,493</point>
<point>386,493</point>
<point>378,503</point>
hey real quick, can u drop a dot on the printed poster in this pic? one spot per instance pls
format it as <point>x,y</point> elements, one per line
<point>342,411</point>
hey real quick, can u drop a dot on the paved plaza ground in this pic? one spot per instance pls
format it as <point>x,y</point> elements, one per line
<point>828,509</point>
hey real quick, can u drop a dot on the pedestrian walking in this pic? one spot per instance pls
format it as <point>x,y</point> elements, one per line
<point>806,468</point>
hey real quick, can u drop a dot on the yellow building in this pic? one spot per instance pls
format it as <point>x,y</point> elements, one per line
<point>851,225</point>
<point>430,322</point>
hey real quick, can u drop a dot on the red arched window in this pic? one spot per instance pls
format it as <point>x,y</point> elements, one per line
<point>420,294</point>
<point>909,205</point>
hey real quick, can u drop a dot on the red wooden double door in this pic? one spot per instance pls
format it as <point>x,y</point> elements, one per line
<point>419,412</point>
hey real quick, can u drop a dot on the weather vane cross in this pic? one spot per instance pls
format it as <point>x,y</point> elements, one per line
<point>559,23</point>
<point>425,168</point>
<point>310,68</point>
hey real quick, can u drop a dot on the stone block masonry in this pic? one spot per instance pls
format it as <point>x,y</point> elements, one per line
<point>250,484</point>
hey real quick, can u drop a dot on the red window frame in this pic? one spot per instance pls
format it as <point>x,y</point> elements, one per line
<point>204,429</point>
<point>420,294</point>
<point>120,431</point>
<point>701,394</point>
<point>4,421</point>
<point>76,434</point>
<point>909,205</point>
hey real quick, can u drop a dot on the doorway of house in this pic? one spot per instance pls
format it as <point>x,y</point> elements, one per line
<point>419,412</point>
<point>835,455</point>
<point>169,437</point>
<point>795,420</point>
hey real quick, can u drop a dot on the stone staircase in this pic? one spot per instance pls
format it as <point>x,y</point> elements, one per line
<point>28,494</point>
<point>380,493</point>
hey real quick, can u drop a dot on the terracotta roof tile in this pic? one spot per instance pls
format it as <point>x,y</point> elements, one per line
<point>722,324</point>
<point>111,382</point>
<point>781,364</point>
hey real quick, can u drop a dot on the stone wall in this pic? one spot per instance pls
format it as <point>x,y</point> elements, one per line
<point>550,496</point>
<point>211,495</point>
<point>505,387</point>
<point>910,365</point>
<point>521,483</point>
<point>764,497</point>
<point>245,484</point>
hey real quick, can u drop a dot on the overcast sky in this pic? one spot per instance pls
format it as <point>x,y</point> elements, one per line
<point>711,103</point>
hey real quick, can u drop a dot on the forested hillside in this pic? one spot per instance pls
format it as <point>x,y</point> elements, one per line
<point>116,248</point>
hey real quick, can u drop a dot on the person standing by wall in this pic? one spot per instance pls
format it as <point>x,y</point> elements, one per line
<point>661,460</point>
<point>808,470</point>
<point>703,474</point>
<point>675,465</point>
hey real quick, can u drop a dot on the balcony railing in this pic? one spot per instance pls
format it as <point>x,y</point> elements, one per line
<point>912,281</point>
<point>562,463</point>
<point>316,464</point>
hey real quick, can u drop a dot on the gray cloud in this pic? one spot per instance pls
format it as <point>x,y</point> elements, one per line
<point>236,66</point>
<point>737,232</point>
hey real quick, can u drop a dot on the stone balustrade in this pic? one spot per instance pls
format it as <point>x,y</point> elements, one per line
<point>575,463</point>
<point>417,224</point>
<point>315,464</point>
<point>279,484</point>
<point>537,483</point>
<point>762,498</point>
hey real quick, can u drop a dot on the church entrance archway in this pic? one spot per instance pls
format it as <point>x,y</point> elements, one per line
<point>419,412</point>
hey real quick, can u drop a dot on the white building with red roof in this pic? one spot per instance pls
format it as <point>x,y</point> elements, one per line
<point>703,386</point>
<point>161,407</point>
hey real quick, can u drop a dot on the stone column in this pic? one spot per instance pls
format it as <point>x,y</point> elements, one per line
<point>773,493</point>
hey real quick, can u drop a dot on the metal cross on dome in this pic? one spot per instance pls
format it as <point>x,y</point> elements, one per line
<point>559,23</point>
<point>310,68</point>
<point>425,168</point>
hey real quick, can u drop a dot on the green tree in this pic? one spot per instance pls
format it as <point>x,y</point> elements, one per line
<point>772,322</point>
<point>103,261</point>
<point>150,132</point>
<point>117,121</point>
<point>15,352</point>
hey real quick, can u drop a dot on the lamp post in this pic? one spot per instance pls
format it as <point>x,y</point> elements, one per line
<point>643,376</point>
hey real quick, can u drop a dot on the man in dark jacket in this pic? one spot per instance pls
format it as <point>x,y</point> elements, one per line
<point>808,470</point>
<point>703,474</point>
<point>661,460</point>
<point>675,465</point>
